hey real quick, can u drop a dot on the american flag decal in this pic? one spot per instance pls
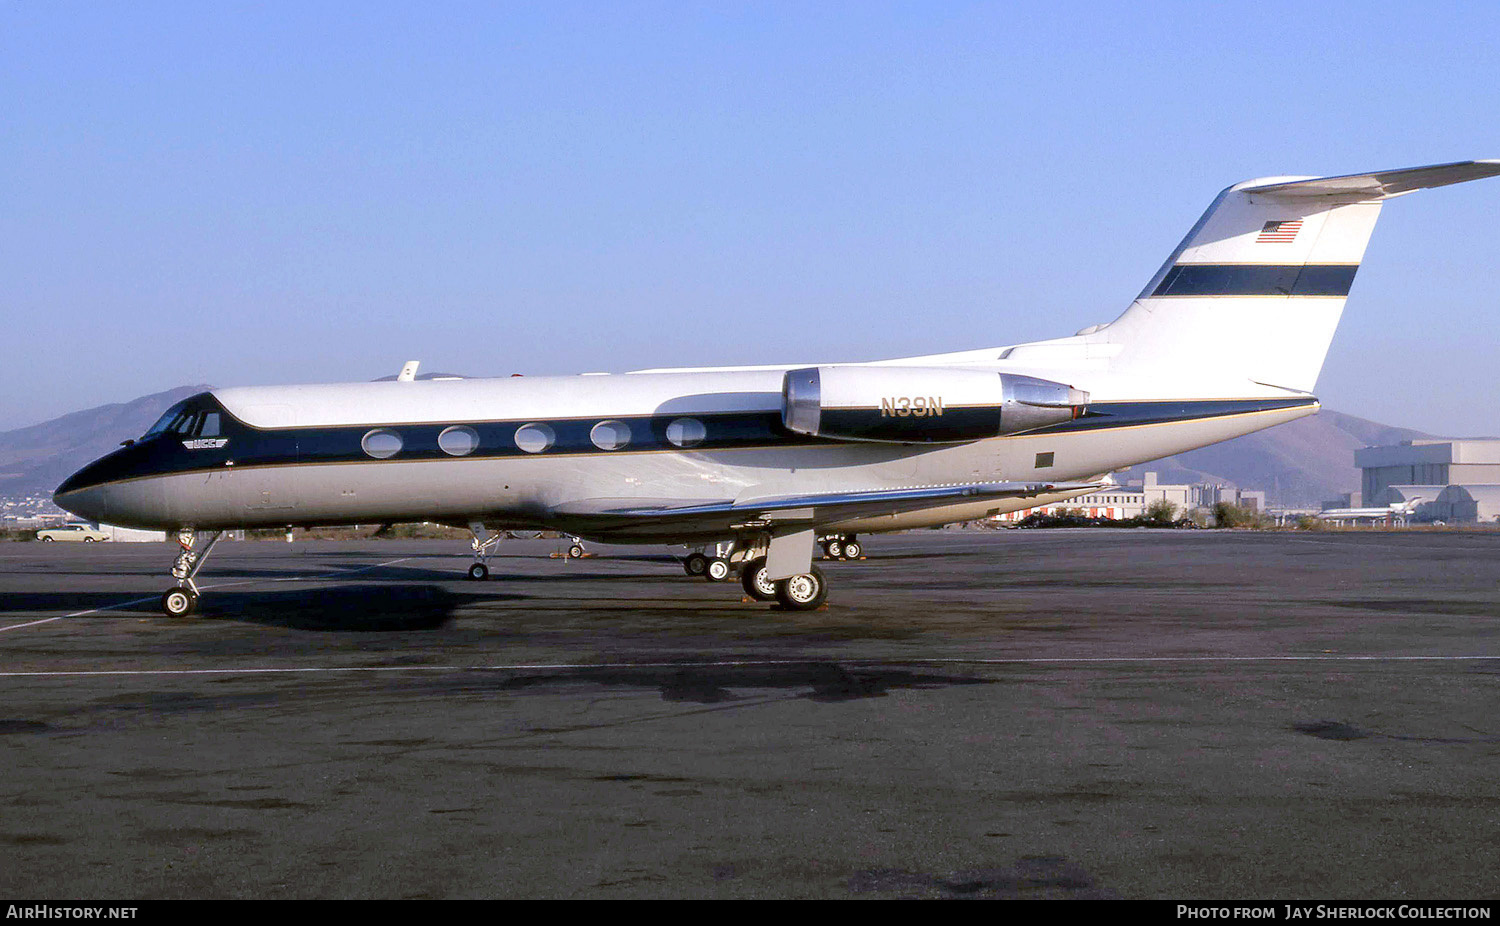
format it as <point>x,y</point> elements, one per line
<point>1279,232</point>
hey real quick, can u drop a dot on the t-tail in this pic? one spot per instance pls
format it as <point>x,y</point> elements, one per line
<point>1254,292</point>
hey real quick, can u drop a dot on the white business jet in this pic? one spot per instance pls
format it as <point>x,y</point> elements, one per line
<point>1227,338</point>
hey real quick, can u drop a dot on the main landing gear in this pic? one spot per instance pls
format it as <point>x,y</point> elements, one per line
<point>747,555</point>
<point>182,599</point>
<point>805,592</point>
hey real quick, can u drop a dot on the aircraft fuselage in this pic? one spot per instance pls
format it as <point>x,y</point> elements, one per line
<point>511,453</point>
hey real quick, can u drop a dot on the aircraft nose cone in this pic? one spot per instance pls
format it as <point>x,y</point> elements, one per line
<point>90,503</point>
<point>84,493</point>
<point>120,487</point>
<point>90,475</point>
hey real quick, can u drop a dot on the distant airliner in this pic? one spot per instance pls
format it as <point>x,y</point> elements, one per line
<point>1226,339</point>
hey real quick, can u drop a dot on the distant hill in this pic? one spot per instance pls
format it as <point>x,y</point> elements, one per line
<point>1301,463</point>
<point>37,459</point>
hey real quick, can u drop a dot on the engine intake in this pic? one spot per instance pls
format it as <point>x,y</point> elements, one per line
<point>922,404</point>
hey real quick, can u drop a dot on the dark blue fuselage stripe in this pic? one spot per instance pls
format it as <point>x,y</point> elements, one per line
<point>247,446</point>
<point>1257,280</point>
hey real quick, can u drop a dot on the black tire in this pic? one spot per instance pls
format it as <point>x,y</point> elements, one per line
<point>806,592</point>
<point>46,540</point>
<point>753,579</point>
<point>852,549</point>
<point>479,572</point>
<point>717,569</point>
<point>835,549</point>
<point>179,601</point>
<point>575,552</point>
<point>695,564</point>
<point>88,540</point>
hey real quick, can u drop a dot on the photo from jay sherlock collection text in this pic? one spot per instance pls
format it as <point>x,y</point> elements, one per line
<point>1327,911</point>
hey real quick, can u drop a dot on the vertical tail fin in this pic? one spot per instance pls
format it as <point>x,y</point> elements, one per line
<point>1256,289</point>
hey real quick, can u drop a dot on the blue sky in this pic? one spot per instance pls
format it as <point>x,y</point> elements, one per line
<point>241,194</point>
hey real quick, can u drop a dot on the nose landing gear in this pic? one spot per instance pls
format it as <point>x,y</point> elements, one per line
<point>484,544</point>
<point>182,599</point>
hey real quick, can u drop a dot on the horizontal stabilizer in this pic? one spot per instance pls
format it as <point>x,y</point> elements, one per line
<point>1380,185</point>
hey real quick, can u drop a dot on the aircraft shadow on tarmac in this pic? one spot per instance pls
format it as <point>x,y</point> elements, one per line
<point>1342,732</point>
<point>357,608</point>
<point>451,569</point>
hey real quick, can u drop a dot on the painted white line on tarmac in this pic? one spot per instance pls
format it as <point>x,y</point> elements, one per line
<point>1319,657</point>
<point>126,604</point>
<point>750,663</point>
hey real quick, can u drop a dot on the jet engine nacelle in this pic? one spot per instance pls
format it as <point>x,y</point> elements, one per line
<point>921,404</point>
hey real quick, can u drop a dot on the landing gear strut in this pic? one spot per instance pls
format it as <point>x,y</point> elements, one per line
<point>182,599</point>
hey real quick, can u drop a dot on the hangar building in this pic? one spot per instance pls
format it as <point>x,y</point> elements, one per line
<point>1456,481</point>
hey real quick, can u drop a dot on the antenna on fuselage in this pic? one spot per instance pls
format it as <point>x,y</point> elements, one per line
<point>409,372</point>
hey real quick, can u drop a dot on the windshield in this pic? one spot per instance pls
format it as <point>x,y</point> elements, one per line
<point>197,416</point>
<point>165,422</point>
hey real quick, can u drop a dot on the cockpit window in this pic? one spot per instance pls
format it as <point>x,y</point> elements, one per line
<point>189,418</point>
<point>167,420</point>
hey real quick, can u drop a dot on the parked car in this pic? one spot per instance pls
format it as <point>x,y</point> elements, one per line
<point>81,532</point>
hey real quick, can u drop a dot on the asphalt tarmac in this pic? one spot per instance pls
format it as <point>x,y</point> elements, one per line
<point>1049,714</point>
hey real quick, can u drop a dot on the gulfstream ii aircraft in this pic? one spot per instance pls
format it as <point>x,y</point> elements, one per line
<point>1227,338</point>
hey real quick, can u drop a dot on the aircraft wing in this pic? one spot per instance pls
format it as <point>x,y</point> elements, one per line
<point>666,516</point>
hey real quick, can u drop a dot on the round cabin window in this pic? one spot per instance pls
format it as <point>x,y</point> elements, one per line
<point>381,443</point>
<point>534,438</point>
<point>459,441</point>
<point>686,432</point>
<point>610,435</point>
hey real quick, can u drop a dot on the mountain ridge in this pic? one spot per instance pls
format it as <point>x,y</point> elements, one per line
<point>38,457</point>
